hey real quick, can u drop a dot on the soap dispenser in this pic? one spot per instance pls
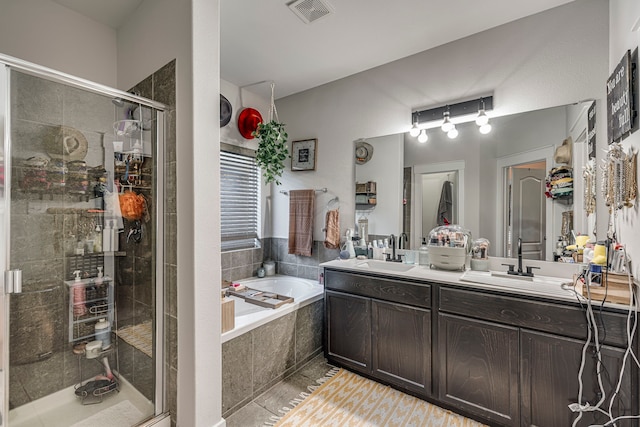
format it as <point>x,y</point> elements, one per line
<point>423,253</point>
<point>79,295</point>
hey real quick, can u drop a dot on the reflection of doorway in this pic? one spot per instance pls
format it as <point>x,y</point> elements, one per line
<point>432,188</point>
<point>504,240</point>
<point>526,216</point>
<point>433,177</point>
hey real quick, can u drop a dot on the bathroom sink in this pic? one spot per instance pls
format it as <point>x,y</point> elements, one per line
<point>539,284</point>
<point>385,265</point>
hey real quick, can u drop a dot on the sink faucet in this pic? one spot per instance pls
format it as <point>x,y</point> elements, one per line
<point>392,243</point>
<point>529,272</point>
<point>402,241</point>
<point>519,255</point>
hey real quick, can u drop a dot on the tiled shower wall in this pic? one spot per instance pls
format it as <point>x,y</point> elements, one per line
<point>39,320</point>
<point>138,300</point>
<point>242,264</point>
<point>40,355</point>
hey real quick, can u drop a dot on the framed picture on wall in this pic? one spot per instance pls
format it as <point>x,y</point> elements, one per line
<point>303,154</point>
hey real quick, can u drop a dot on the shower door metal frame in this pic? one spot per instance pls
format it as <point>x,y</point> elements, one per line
<point>8,63</point>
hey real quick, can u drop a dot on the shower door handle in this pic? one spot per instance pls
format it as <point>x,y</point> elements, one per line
<point>12,283</point>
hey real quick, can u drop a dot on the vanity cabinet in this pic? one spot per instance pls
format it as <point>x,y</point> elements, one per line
<point>479,367</point>
<point>501,358</point>
<point>549,372</point>
<point>509,346</point>
<point>348,337</point>
<point>388,340</point>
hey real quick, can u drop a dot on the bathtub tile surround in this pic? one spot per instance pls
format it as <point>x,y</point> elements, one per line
<point>243,264</point>
<point>300,266</point>
<point>260,358</point>
<point>308,338</point>
<point>274,351</point>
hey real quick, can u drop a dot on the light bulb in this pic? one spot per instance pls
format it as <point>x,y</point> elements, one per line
<point>423,137</point>
<point>453,133</point>
<point>446,124</point>
<point>482,118</point>
<point>485,129</point>
<point>414,131</point>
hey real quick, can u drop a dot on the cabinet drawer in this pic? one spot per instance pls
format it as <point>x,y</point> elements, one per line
<point>393,290</point>
<point>560,319</point>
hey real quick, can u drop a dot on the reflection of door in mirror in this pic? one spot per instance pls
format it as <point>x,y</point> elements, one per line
<point>439,200</point>
<point>526,215</point>
<point>435,185</point>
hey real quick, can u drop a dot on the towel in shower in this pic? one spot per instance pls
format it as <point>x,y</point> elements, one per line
<point>332,228</point>
<point>301,221</point>
<point>445,213</point>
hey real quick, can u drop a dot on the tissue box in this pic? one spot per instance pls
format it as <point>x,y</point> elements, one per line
<point>228,315</point>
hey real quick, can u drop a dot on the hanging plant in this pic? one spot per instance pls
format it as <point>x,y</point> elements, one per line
<point>272,150</point>
<point>272,145</point>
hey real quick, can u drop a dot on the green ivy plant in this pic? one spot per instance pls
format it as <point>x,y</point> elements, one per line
<point>272,150</point>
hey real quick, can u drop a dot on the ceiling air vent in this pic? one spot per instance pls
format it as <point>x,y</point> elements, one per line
<point>311,10</point>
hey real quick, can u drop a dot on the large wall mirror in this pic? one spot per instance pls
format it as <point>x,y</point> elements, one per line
<point>495,182</point>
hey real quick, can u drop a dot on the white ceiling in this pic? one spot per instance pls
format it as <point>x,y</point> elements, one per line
<point>264,40</point>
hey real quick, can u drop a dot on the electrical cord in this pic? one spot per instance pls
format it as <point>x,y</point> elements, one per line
<point>632,325</point>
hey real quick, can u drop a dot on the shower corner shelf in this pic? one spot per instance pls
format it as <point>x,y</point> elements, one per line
<point>99,304</point>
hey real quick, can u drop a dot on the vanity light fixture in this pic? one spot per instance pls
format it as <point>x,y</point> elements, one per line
<point>482,118</point>
<point>415,130</point>
<point>447,125</point>
<point>442,117</point>
<point>423,137</point>
<point>485,129</point>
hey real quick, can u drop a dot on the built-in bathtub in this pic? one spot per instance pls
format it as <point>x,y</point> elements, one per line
<point>268,344</point>
<point>250,316</point>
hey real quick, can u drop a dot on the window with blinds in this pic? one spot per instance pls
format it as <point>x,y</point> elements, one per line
<point>239,200</point>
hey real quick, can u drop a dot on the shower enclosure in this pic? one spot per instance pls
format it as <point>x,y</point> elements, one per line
<point>81,248</point>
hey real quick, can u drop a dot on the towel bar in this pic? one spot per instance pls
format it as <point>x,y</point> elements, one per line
<point>320,190</point>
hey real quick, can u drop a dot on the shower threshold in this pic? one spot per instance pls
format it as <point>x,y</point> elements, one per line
<point>64,409</point>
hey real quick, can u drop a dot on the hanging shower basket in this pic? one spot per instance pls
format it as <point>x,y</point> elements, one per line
<point>272,146</point>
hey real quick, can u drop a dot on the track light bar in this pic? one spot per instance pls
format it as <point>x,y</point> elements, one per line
<point>454,110</point>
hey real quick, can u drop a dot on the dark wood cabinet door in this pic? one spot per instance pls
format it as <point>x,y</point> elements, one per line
<point>402,345</point>
<point>549,381</point>
<point>348,331</point>
<point>478,368</point>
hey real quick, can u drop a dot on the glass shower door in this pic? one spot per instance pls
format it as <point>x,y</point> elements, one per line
<point>80,223</point>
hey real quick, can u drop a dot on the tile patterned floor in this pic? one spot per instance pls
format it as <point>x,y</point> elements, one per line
<point>256,413</point>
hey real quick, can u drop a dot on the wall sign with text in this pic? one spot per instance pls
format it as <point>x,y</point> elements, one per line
<point>620,100</point>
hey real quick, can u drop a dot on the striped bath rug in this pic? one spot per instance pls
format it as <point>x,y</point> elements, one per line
<point>140,336</point>
<point>347,399</point>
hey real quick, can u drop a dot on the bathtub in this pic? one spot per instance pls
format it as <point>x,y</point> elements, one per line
<point>250,316</point>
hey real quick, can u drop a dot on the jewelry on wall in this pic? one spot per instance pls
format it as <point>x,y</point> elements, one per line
<point>619,180</point>
<point>589,175</point>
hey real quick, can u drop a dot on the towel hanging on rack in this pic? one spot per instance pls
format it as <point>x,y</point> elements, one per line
<point>332,229</point>
<point>301,211</point>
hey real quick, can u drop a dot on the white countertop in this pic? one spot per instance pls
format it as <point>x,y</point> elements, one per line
<point>553,280</point>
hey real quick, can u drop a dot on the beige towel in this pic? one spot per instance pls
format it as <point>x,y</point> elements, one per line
<point>332,227</point>
<point>301,211</point>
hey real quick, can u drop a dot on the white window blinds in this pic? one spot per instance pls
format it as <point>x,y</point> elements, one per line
<point>239,201</point>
